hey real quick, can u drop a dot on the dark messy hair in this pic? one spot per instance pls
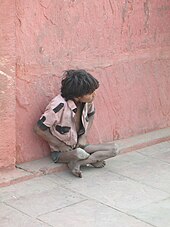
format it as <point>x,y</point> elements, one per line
<point>77,83</point>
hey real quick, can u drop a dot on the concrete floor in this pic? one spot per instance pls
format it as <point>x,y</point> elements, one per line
<point>132,190</point>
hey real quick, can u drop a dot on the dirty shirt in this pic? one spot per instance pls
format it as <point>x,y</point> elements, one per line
<point>59,117</point>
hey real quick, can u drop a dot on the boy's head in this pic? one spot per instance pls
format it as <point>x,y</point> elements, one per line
<point>78,85</point>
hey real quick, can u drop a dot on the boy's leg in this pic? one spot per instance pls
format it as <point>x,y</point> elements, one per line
<point>66,157</point>
<point>105,147</point>
<point>92,148</point>
<point>98,153</point>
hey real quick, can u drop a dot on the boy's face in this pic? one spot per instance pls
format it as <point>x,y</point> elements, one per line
<point>87,98</point>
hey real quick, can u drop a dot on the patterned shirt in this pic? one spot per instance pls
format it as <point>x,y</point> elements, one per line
<point>59,118</point>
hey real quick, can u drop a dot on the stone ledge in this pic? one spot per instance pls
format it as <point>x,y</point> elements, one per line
<point>144,140</point>
<point>29,170</point>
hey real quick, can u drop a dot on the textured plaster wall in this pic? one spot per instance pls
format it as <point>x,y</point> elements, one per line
<point>125,44</point>
<point>7,84</point>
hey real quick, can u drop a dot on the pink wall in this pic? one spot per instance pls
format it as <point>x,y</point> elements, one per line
<point>7,85</point>
<point>125,44</point>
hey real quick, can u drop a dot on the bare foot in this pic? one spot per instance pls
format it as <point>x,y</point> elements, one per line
<point>75,168</point>
<point>99,164</point>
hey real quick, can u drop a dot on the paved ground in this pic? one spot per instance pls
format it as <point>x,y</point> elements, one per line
<point>133,190</point>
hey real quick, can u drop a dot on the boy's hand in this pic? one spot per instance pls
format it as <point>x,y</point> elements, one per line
<point>82,141</point>
<point>64,148</point>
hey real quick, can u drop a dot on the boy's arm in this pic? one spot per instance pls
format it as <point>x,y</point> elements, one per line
<point>82,141</point>
<point>47,136</point>
<point>90,123</point>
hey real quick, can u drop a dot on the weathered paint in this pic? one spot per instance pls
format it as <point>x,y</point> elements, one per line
<point>7,85</point>
<point>125,44</point>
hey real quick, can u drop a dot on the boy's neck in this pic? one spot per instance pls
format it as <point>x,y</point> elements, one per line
<point>78,104</point>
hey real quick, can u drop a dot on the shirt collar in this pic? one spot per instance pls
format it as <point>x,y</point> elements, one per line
<point>72,105</point>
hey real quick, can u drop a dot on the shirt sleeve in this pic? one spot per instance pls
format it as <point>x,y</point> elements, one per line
<point>50,116</point>
<point>91,109</point>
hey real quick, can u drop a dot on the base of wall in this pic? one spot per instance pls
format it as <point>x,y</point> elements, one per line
<point>29,170</point>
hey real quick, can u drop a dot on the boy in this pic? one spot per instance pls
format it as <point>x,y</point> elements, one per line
<point>67,120</point>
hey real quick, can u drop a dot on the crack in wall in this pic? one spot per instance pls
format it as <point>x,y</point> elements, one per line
<point>111,6</point>
<point>46,17</point>
<point>147,14</point>
<point>127,9</point>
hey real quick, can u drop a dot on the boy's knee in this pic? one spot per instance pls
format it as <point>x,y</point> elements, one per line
<point>114,150</point>
<point>81,153</point>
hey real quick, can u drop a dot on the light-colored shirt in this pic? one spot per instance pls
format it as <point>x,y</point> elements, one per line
<point>59,118</point>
